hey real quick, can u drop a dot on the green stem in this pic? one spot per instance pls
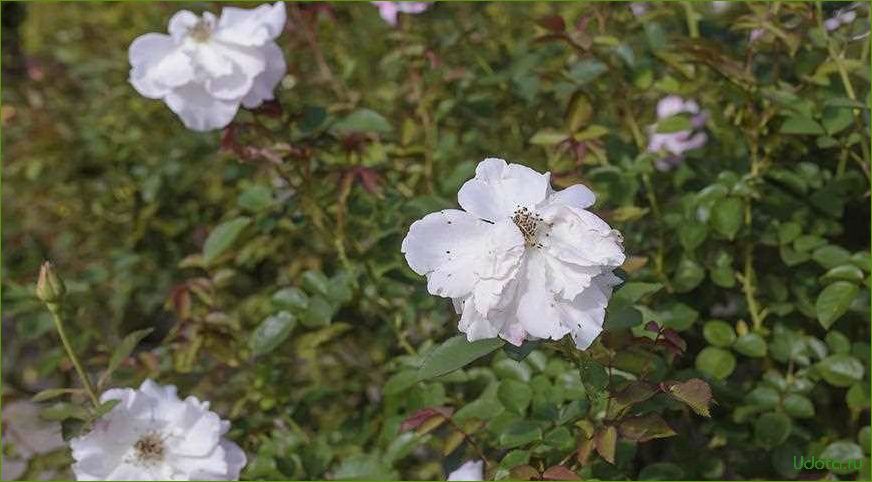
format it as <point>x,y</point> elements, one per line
<point>55,309</point>
<point>692,20</point>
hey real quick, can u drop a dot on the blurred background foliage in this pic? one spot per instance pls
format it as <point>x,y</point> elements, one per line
<point>266,257</point>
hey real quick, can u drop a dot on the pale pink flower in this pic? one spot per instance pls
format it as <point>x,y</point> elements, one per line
<point>674,144</point>
<point>389,11</point>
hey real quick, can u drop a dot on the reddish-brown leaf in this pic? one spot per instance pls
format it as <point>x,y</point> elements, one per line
<point>645,427</point>
<point>421,416</point>
<point>554,23</point>
<point>695,392</point>
<point>559,472</point>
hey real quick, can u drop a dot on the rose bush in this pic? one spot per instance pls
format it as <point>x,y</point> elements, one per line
<point>261,267</point>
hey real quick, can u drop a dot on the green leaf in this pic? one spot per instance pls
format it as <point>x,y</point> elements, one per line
<point>292,299</point>
<point>621,316</point>
<point>846,272</point>
<point>315,282</point>
<point>764,397</point>
<point>515,458</point>
<point>798,406</point>
<point>54,393</point>
<point>715,362</point>
<point>455,353</point>
<point>840,370</point>
<point>772,429</point>
<point>64,410</point>
<point>578,112</point>
<point>104,408</point>
<point>834,301</point>
<point>124,349</point>
<point>222,237</point>
<point>586,70</point>
<point>519,353</point>
<point>801,125</point>
<point>363,120</point>
<point>719,333</point>
<point>662,471</point>
<point>727,216</point>
<point>691,234</point>
<point>838,343</point>
<point>319,313</point>
<point>751,345</point>
<point>676,123</point>
<point>548,137</point>
<point>515,395</point>
<point>632,292</point>
<point>71,428</point>
<point>520,433</point>
<point>688,275</point>
<point>271,333</point>
<point>830,256</point>
<point>255,198</point>
<point>836,119</point>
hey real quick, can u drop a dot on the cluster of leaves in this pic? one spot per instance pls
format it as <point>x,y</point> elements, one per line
<point>266,258</point>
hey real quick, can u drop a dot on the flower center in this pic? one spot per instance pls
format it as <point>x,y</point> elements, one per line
<point>149,449</point>
<point>528,223</point>
<point>201,31</point>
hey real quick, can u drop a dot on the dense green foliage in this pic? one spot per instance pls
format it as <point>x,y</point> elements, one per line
<point>267,258</point>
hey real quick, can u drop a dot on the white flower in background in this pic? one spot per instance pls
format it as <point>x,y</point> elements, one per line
<point>841,18</point>
<point>521,261</point>
<point>675,144</point>
<point>470,470</point>
<point>756,35</point>
<point>720,7</point>
<point>390,11</point>
<point>207,66</point>
<point>639,8</point>
<point>153,435</point>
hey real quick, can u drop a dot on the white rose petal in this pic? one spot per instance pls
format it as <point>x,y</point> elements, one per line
<point>153,435</point>
<point>208,66</point>
<point>520,261</point>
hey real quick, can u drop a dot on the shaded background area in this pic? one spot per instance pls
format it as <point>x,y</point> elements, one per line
<point>379,125</point>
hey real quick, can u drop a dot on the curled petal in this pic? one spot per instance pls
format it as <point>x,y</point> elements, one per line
<point>158,65</point>
<point>181,23</point>
<point>498,189</point>
<point>251,27</point>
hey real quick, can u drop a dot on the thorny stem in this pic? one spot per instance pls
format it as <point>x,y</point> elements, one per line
<point>86,382</point>
<point>747,278</point>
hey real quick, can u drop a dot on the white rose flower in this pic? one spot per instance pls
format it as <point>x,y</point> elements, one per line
<point>521,261</point>
<point>153,435</point>
<point>470,470</point>
<point>207,66</point>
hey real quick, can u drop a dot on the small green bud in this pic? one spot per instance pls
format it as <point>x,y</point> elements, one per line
<point>50,288</point>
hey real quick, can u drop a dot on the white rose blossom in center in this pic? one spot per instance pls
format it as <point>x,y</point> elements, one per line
<point>153,435</point>
<point>207,66</point>
<point>521,261</point>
